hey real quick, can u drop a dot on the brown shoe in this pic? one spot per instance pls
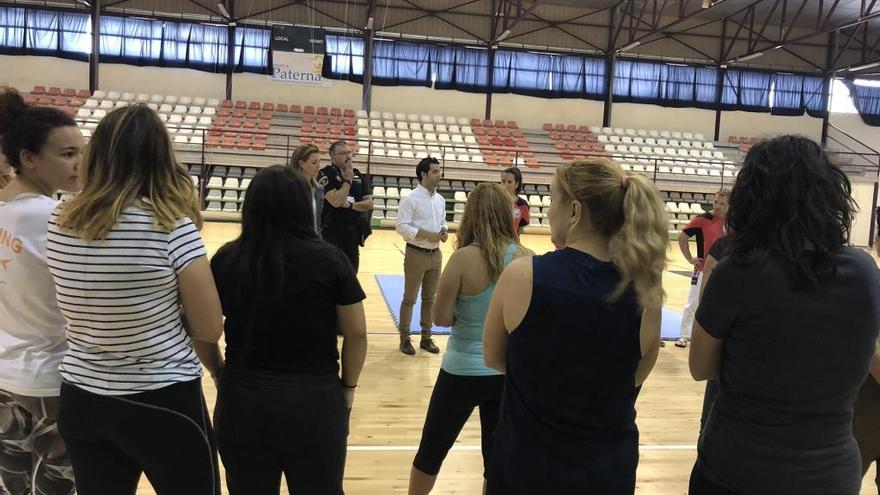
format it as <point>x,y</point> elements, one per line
<point>428,344</point>
<point>406,346</point>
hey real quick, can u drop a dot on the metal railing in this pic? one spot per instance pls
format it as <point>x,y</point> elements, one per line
<point>851,154</point>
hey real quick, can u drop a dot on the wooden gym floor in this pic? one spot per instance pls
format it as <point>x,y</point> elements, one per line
<point>392,400</point>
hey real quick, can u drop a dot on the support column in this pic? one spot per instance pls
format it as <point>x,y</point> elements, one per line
<point>490,58</point>
<point>230,49</point>
<point>720,70</point>
<point>826,85</point>
<point>490,81</point>
<point>94,57</point>
<point>610,63</point>
<point>369,34</point>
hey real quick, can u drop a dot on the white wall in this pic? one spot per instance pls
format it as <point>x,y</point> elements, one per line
<point>863,194</point>
<point>159,80</point>
<point>532,113</point>
<point>25,72</point>
<point>420,100</point>
<point>764,125</point>
<point>637,116</point>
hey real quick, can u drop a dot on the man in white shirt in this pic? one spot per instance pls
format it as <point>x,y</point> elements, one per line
<point>421,221</point>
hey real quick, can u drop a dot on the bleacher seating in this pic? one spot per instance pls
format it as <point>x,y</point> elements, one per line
<point>234,137</point>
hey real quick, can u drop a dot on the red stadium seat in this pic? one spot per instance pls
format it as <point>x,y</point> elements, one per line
<point>281,107</point>
<point>38,90</point>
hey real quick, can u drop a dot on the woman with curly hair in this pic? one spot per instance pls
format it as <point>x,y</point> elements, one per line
<point>788,323</point>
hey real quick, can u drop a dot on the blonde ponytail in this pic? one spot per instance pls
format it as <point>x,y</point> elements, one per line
<point>629,211</point>
<point>640,246</point>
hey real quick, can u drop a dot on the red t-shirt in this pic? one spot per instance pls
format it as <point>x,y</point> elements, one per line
<point>707,228</point>
<point>520,214</point>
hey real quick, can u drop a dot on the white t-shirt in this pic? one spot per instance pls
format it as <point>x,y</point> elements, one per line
<point>32,327</point>
<point>120,298</point>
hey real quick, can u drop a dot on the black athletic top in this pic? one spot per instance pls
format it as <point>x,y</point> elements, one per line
<point>567,421</point>
<point>294,330</point>
<point>792,365</point>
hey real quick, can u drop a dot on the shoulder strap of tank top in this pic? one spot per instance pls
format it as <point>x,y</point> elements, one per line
<point>509,252</point>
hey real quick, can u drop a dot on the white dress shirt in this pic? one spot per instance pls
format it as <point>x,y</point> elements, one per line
<point>421,210</point>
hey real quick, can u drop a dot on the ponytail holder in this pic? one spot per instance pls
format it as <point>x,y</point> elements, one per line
<point>624,182</point>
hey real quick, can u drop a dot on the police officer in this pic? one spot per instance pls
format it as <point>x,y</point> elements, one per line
<point>348,195</point>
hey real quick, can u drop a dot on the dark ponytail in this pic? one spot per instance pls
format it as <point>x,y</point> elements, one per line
<point>26,127</point>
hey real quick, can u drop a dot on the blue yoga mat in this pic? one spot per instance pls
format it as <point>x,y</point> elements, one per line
<point>392,291</point>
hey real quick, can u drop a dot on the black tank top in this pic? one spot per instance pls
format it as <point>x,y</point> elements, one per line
<point>567,417</point>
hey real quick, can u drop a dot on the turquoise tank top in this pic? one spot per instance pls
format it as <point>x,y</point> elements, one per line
<point>464,351</point>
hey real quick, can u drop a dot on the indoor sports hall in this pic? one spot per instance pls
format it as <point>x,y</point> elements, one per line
<point>676,91</point>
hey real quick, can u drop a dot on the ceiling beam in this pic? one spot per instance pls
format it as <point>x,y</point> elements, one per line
<point>683,15</point>
<point>429,13</point>
<point>513,22</point>
<point>780,44</point>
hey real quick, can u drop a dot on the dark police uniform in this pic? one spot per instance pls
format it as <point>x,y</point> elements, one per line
<point>344,227</point>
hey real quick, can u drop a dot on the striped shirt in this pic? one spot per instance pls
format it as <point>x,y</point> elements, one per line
<point>120,298</point>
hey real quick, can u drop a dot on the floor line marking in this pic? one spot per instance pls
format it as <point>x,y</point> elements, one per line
<point>469,448</point>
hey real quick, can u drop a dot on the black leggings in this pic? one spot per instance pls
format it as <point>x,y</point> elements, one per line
<point>271,423</point>
<point>163,433</point>
<point>452,402</point>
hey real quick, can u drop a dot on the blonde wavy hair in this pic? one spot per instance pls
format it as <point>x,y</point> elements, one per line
<point>488,223</point>
<point>301,154</point>
<point>129,159</point>
<point>628,209</point>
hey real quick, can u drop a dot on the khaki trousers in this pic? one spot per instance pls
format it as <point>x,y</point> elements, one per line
<point>421,270</point>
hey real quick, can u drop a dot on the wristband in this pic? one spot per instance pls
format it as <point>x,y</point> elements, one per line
<point>346,386</point>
